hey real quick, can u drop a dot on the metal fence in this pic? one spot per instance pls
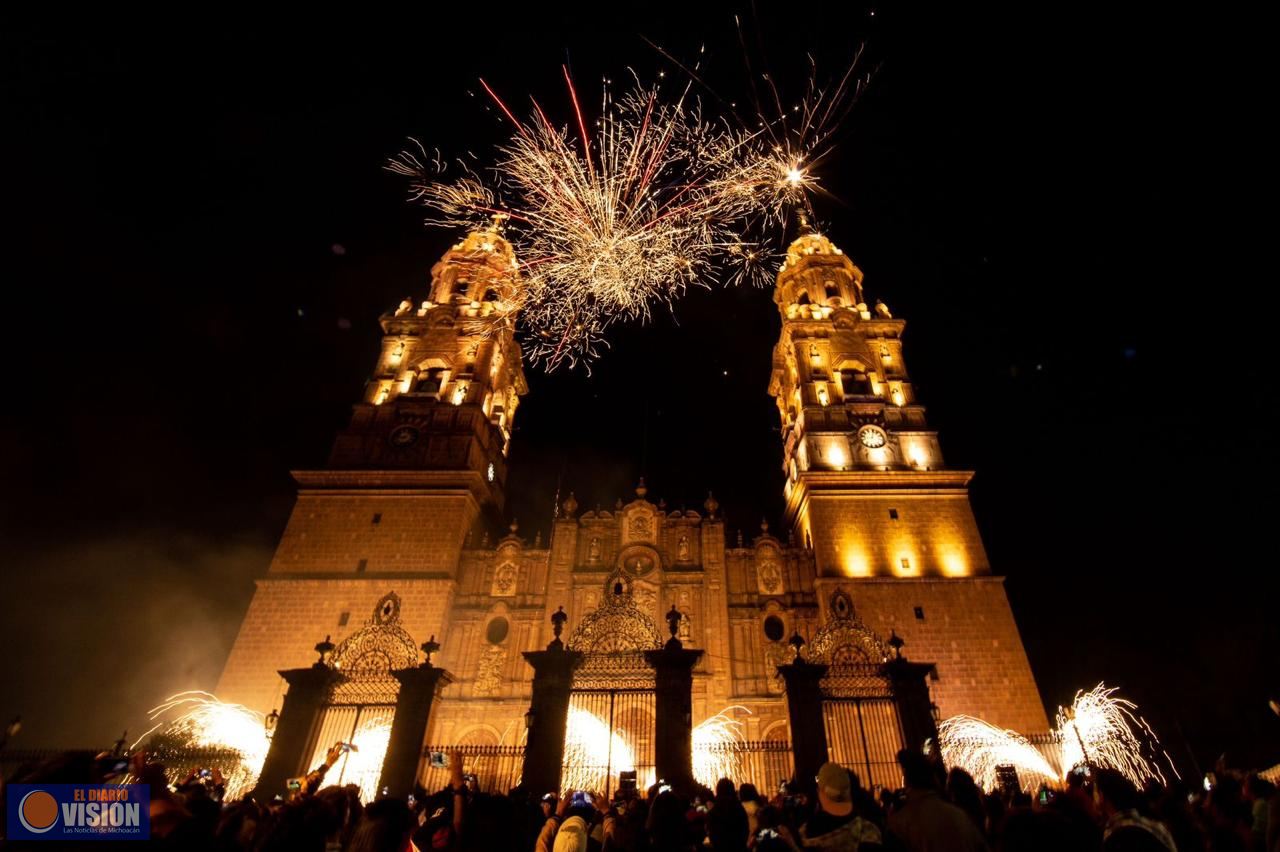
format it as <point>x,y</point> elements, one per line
<point>609,731</point>
<point>77,765</point>
<point>764,763</point>
<point>497,768</point>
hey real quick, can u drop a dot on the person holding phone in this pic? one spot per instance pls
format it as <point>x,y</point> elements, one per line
<point>550,823</point>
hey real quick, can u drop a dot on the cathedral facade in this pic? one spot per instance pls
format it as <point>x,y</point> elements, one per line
<point>878,540</point>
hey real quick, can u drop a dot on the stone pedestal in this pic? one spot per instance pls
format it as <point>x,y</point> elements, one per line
<point>299,714</point>
<point>673,723</point>
<point>804,713</point>
<point>549,705</point>
<point>419,687</point>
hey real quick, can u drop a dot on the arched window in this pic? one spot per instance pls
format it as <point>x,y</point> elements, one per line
<point>833,290</point>
<point>855,383</point>
<point>803,298</point>
<point>431,380</point>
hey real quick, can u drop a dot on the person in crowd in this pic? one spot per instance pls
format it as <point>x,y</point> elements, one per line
<point>835,825</point>
<point>577,811</point>
<point>751,805</point>
<point>550,823</point>
<point>727,825</point>
<point>1125,828</point>
<point>666,824</point>
<point>1259,794</point>
<point>963,792</point>
<point>926,822</point>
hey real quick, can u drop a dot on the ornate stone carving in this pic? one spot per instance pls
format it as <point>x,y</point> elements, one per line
<point>489,671</point>
<point>640,526</point>
<point>617,624</point>
<point>645,596</point>
<point>770,577</point>
<point>776,654</point>
<point>504,580</point>
<point>682,551</point>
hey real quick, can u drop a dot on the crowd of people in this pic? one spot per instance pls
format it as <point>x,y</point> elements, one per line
<point>934,811</point>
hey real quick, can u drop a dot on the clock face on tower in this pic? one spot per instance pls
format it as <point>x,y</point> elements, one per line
<point>403,436</point>
<point>872,437</point>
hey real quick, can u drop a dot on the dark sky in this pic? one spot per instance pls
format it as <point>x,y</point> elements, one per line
<point>1050,198</point>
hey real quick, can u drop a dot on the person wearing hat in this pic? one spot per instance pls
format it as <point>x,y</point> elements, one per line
<point>834,825</point>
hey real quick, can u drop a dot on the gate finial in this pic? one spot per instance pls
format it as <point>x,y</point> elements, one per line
<point>558,618</point>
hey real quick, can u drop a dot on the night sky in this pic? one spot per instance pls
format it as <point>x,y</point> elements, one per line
<point>200,239</point>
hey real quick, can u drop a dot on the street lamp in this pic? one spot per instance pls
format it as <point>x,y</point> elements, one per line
<point>270,723</point>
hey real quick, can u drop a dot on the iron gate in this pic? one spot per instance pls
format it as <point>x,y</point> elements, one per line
<point>611,723</point>
<point>362,700</point>
<point>859,709</point>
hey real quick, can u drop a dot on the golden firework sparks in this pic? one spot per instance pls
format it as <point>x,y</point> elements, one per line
<point>200,720</point>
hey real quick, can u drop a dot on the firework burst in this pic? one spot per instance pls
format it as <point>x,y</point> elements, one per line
<point>1102,730</point>
<point>609,225</point>
<point>362,763</point>
<point>592,752</point>
<point>980,747</point>
<point>714,755</point>
<point>1098,729</point>
<point>200,720</point>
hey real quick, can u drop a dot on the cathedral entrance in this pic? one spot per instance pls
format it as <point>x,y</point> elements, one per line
<point>860,716</point>
<point>612,706</point>
<point>361,703</point>
<point>859,710</point>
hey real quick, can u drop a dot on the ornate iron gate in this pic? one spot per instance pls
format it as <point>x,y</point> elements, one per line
<point>859,710</point>
<point>612,711</point>
<point>362,701</point>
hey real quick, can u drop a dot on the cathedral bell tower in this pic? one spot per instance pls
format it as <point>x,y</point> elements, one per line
<point>444,391</point>
<point>866,487</point>
<point>894,541</point>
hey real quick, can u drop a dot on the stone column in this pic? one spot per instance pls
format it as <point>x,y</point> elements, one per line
<point>299,714</point>
<point>804,713</point>
<point>673,722</point>
<point>548,715</point>
<point>419,687</point>
<point>910,685</point>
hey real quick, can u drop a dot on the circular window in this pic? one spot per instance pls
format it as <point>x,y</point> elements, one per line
<point>773,628</point>
<point>497,631</point>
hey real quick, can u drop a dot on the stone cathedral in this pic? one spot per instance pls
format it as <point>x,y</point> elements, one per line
<point>879,540</point>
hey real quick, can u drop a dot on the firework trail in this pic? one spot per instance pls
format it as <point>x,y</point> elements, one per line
<point>200,720</point>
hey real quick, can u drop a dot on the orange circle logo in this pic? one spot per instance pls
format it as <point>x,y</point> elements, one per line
<point>38,811</point>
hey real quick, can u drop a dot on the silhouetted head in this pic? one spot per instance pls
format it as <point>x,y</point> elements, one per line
<point>917,772</point>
